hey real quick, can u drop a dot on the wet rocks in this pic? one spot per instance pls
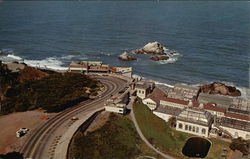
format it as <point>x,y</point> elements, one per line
<point>220,88</point>
<point>159,58</point>
<point>126,57</point>
<point>151,48</point>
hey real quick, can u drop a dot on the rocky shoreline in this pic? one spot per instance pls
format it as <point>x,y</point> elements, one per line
<point>220,89</point>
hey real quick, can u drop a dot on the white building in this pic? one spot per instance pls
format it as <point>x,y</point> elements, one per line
<point>88,67</point>
<point>118,102</point>
<point>153,99</point>
<point>171,102</point>
<point>235,128</point>
<point>194,121</point>
<point>125,71</point>
<point>116,108</point>
<point>144,88</point>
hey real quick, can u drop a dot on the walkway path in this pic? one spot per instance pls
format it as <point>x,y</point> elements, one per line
<point>142,136</point>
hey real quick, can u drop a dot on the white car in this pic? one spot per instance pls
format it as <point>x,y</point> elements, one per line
<point>21,132</point>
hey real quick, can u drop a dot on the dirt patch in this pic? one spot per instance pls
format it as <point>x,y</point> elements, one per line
<point>11,123</point>
<point>99,121</point>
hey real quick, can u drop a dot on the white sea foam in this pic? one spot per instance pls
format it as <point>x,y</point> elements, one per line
<point>164,84</point>
<point>14,57</point>
<point>156,82</point>
<point>10,58</point>
<point>173,56</point>
<point>170,60</point>
<point>50,63</point>
<point>68,57</point>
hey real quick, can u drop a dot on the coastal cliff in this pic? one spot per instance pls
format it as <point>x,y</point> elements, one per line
<point>31,88</point>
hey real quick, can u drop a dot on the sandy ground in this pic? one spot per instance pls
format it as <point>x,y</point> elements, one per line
<point>9,124</point>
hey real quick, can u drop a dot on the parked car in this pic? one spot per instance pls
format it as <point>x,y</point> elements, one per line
<point>21,132</point>
<point>74,118</point>
<point>44,117</point>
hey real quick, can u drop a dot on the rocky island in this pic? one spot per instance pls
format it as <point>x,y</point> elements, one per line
<point>151,48</point>
<point>220,88</point>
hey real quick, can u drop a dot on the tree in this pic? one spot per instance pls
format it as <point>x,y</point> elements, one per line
<point>172,121</point>
<point>241,145</point>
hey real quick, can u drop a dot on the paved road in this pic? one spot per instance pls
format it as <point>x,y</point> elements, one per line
<point>42,142</point>
<point>142,136</point>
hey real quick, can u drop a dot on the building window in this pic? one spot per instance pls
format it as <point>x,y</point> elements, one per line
<point>203,131</point>
<point>186,127</point>
<point>193,129</point>
<point>190,128</point>
<point>139,91</point>
<point>197,129</point>
<point>180,125</point>
<point>142,92</point>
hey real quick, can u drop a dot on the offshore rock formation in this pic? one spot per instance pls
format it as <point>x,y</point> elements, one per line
<point>151,48</point>
<point>126,57</point>
<point>220,88</point>
<point>159,58</point>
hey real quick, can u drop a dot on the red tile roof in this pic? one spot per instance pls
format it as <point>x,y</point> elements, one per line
<point>213,107</point>
<point>237,116</point>
<point>113,69</point>
<point>157,95</point>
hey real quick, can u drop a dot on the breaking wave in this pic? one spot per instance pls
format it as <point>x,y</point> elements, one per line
<point>173,56</point>
<point>48,63</point>
<point>14,57</point>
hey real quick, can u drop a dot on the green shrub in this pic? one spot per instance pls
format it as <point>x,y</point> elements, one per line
<point>53,93</point>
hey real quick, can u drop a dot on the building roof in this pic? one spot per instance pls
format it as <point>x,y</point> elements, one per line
<point>144,84</point>
<point>237,116</point>
<point>168,110</point>
<point>187,87</point>
<point>238,111</point>
<point>195,116</point>
<point>222,101</point>
<point>233,123</point>
<point>178,101</point>
<point>113,69</point>
<point>213,107</point>
<point>157,95</point>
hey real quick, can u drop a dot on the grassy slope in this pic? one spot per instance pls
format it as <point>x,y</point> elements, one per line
<point>117,139</point>
<point>31,89</point>
<point>168,139</point>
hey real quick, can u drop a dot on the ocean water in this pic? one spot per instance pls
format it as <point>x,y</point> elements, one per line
<point>211,38</point>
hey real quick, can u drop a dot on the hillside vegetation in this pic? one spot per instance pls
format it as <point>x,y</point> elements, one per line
<point>116,139</point>
<point>52,91</point>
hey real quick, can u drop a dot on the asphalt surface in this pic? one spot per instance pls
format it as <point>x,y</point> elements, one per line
<point>42,141</point>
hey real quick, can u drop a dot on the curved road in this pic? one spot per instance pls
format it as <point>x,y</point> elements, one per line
<point>40,143</point>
